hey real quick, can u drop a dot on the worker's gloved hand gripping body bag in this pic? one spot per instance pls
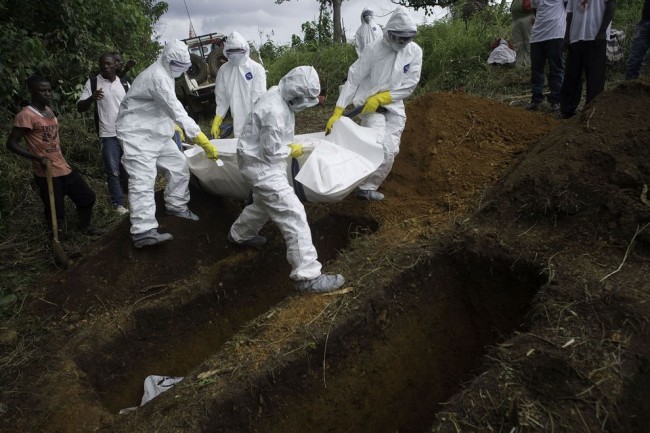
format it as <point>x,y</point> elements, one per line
<point>329,168</point>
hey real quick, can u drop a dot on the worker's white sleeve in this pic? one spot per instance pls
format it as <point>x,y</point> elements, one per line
<point>221,93</point>
<point>411,79</point>
<point>165,97</point>
<point>259,85</point>
<point>86,93</point>
<point>358,43</point>
<point>271,140</point>
<point>359,70</point>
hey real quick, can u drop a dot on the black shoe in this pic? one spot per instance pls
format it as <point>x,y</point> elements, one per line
<point>92,231</point>
<point>533,106</point>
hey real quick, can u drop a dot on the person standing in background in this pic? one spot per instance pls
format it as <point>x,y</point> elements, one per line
<point>522,24</point>
<point>640,44</point>
<point>586,35</point>
<point>546,45</point>
<point>368,31</point>
<point>106,92</point>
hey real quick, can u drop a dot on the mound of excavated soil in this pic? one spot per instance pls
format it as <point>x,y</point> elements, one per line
<point>252,351</point>
<point>592,171</point>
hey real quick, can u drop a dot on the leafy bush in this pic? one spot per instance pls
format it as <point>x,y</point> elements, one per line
<point>62,40</point>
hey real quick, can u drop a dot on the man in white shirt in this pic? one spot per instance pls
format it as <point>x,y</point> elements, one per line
<point>107,91</point>
<point>546,41</point>
<point>587,32</point>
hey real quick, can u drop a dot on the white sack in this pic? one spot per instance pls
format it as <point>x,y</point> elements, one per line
<point>331,167</point>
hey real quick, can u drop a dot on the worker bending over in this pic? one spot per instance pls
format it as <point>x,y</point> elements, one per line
<point>384,75</point>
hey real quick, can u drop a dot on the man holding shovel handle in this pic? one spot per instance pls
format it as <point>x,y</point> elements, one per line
<point>38,125</point>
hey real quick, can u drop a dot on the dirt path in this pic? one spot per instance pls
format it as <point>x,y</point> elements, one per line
<point>484,279</point>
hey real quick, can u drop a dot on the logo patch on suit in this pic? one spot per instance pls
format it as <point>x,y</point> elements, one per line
<point>249,76</point>
<point>406,68</point>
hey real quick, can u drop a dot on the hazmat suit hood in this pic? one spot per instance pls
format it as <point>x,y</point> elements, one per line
<point>235,41</point>
<point>368,32</point>
<point>399,22</point>
<point>364,12</point>
<point>176,51</point>
<point>300,87</point>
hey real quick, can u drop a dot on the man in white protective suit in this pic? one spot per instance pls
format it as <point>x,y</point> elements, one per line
<point>368,31</point>
<point>263,148</point>
<point>145,127</point>
<point>383,76</point>
<point>239,84</point>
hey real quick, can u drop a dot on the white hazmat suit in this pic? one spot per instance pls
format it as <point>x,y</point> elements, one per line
<point>145,126</point>
<point>368,31</point>
<point>262,152</point>
<point>240,82</point>
<point>387,68</point>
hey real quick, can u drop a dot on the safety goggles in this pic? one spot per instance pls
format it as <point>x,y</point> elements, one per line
<point>367,14</point>
<point>236,51</point>
<point>176,65</point>
<point>401,38</point>
<point>300,103</point>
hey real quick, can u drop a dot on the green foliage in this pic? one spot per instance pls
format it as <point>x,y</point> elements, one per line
<point>455,50</point>
<point>63,39</point>
<point>331,62</point>
<point>316,33</point>
<point>428,5</point>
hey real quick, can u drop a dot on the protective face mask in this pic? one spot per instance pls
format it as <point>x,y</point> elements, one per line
<point>177,68</point>
<point>398,40</point>
<point>237,58</point>
<point>367,18</point>
<point>300,103</point>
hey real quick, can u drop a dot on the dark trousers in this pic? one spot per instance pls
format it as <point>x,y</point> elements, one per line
<point>587,56</point>
<point>73,186</point>
<point>541,52</point>
<point>638,50</point>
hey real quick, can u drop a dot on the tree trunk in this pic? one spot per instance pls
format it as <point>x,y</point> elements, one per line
<point>336,12</point>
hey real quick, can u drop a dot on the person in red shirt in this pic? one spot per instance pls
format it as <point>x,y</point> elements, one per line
<point>37,124</point>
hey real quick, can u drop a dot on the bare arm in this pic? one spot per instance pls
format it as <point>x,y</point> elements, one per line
<point>85,104</point>
<point>13,144</point>
<point>610,7</point>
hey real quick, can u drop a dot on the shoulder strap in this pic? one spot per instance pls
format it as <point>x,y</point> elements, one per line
<point>93,87</point>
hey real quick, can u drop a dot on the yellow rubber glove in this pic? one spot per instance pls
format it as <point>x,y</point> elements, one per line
<point>216,126</point>
<point>375,101</point>
<point>210,150</point>
<point>296,150</point>
<point>180,131</point>
<point>338,112</point>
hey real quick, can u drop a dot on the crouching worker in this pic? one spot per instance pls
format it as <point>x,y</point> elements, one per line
<point>39,126</point>
<point>145,127</point>
<point>265,143</point>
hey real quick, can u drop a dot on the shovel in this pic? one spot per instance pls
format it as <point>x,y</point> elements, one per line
<point>60,258</point>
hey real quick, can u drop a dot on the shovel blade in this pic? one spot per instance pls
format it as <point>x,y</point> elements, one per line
<point>60,257</point>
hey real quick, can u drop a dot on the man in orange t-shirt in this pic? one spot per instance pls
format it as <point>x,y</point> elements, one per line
<point>38,125</point>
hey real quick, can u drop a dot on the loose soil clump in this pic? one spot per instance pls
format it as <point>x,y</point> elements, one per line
<point>500,286</point>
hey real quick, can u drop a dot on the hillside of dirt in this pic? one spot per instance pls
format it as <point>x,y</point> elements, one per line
<point>500,286</point>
